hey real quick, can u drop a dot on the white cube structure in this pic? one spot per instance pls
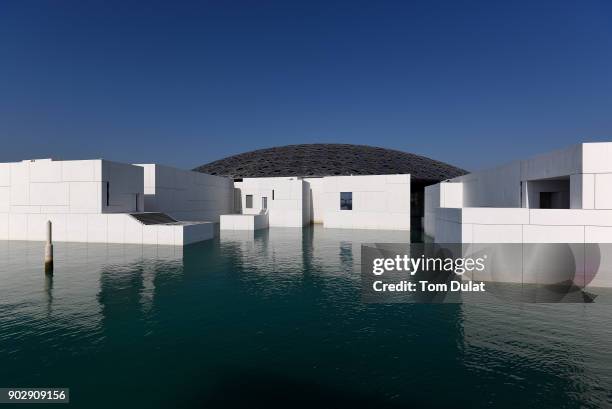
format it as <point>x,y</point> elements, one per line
<point>560,197</point>
<point>89,201</point>
<point>186,195</point>
<point>379,202</point>
<point>101,201</point>
<point>287,200</point>
<point>349,202</point>
<point>563,197</point>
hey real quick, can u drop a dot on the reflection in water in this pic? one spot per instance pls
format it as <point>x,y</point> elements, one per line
<point>49,292</point>
<point>274,318</point>
<point>346,257</point>
<point>563,348</point>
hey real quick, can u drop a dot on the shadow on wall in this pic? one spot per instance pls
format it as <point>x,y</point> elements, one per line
<point>237,200</point>
<point>311,204</point>
<point>150,203</point>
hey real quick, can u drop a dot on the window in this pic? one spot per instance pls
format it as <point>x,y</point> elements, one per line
<point>346,200</point>
<point>264,203</point>
<point>107,193</point>
<point>272,194</point>
<point>249,201</point>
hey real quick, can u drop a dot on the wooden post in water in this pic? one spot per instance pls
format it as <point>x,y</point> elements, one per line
<point>49,251</point>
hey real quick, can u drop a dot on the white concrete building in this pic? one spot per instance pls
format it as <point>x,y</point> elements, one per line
<point>379,202</point>
<point>563,197</point>
<point>560,197</point>
<point>186,195</point>
<point>287,200</point>
<point>352,202</point>
<point>336,185</point>
<point>100,201</point>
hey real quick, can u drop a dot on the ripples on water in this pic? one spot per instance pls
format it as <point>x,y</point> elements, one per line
<point>275,319</point>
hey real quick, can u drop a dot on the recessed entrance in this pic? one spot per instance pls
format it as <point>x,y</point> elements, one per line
<point>549,193</point>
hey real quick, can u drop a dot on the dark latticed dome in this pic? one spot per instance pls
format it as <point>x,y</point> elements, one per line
<point>327,160</point>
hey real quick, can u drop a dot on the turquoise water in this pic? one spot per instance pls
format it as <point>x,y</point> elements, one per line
<point>275,319</point>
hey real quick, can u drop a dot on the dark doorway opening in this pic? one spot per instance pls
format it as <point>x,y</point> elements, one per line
<point>551,200</point>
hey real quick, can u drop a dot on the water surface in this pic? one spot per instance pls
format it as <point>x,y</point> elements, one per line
<point>275,319</point>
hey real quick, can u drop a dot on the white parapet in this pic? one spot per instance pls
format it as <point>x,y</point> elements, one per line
<point>518,225</point>
<point>117,228</point>
<point>244,221</point>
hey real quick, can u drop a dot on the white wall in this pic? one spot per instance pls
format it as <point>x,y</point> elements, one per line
<point>443,194</point>
<point>588,167</point>
<point>73,196</point>
<point>497,187</point>
<point>432,202</point>
<point>244,221</point>
<point>379,202</point>
<point>582,191</point>
<point>562,162</point>
<point>501,186</point>
<point>126,188</point>
<point>186,195</point>
<point>47,186</point>
<point>317,192</point>
<point>50,186</point>
<point>99,228</point>
<point>286,209</point>
<point>512,225</point>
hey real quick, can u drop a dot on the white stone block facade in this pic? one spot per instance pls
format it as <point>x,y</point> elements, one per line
<point>287,200</point>
<point>86,201</point>
<point>75,187</point>
<point>244,221</point>
<point>379,202</point>
<point>560,197</point>
<point>95,201</point>
<point>186,195</point>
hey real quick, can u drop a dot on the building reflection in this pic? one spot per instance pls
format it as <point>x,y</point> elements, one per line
<point>277,259</point>
<point>93,285</point>
<point>49,293</point>
<point>130,277</point>
<point>275,288</point>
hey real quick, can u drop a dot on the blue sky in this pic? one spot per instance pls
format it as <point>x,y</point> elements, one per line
<point>470,83</point>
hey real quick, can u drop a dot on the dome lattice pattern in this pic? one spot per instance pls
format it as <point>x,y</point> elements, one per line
<point>330,160</point>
